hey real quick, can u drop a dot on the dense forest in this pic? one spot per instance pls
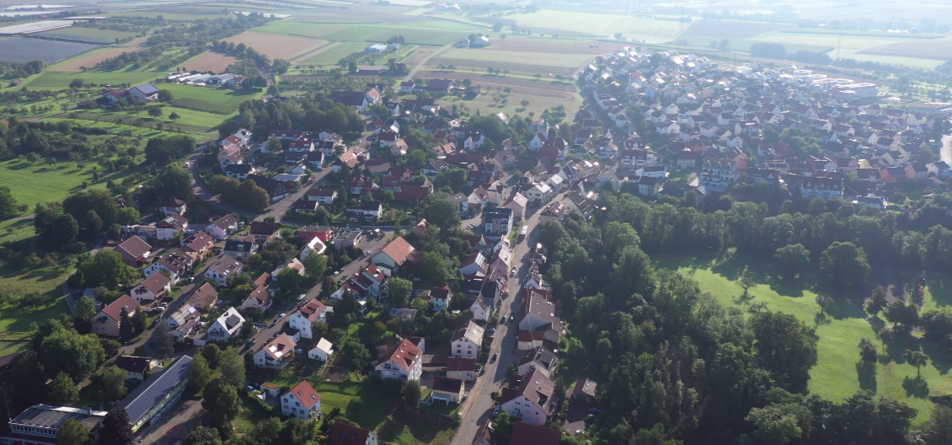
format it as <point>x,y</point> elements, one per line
<point>675,366</point>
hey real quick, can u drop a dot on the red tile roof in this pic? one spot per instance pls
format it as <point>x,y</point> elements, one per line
<point>405,355</point>
<point>305,394</point>
<point>398,250</point>
<point>114,310</point>
<point>313,309</point>
<point>347,434</point>
<point>528,434</point>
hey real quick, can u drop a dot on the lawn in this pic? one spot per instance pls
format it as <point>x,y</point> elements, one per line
<point>835,375</point>
<point>57,80</point>
<point>191,121</point>
<point>211,100</point>
<point>41,182</point>
<point>368,407</point>
<point>18,319</point>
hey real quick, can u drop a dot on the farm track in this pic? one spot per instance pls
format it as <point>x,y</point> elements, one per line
<point>315,51</point>
<point>427,59</point>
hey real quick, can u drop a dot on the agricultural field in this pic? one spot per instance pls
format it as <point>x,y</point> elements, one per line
<point>277,46</point>
<point>94,32</point>
<point>331,54</point>
<point>731,30</point>
<point>60,79</point>
<point>41,26</point>
<point>834,376</point>
<point>849,45</point>
<point>587,24</point>
<point>303,29</point>
<point>210,61</point>
<point>517,62</point>
<point>83,39</point>
<point>414,36</point>
<point>23,49</point>
<point>91,59</point>
<point>934,49</point>
<point>191,121</point>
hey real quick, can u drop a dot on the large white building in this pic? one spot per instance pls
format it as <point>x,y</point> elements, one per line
<point>466,341</point>
<point>305,317</point>
<point>404,362</point>
<point>302,402</point>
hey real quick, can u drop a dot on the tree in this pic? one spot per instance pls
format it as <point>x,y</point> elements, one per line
<point>845,265</point>
<point>524,103</point>
<point>73,432</point>
<point>165,96</point>
<point>64,391</point>
<point>156,111</point>
<point>441,212</point>
<point>867,352</point>
<point>877,302</point>
<point>791,259</point>
<point>254,197</point>
<point>746,283</point>
<point>83,311</point>
<point>780,424</point>
<point>116,428</point>
<point>92,223</point>
<point>724,44</point>
<point>938,430</point>
<point>433,267</point>
<point>77,83</point>
<point>107,269</point>
<point>77,355</point>
<point>8,204</point>
<point>786,347</point>
<point>352,67</point>
<point>400,291</point>
<point>824,302</point>
<point>125,324</point>
<point>114,382</point>
<point>232,368</point>
<point>917,359</point>
<point>412,393</point>
<point>162,340</point>
<point>173,116</point>
<point>355,354</point>
<point>203,436</point>
<point>226,410</point>
<point>502,427</point>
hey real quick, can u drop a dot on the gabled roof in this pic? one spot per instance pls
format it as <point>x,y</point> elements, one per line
<point>155,282</point>
<point>135,247</point>
<point>447,384</point>
<point>405,355</point>
<point>585,386</point>
<point>536,387</point>
<point>279,347</point>
<point>472,332</point>
<point>114,310</point>
<point>133,363</point>
<point>305,394</point>
<point>399,250</point>
<point>528,434</point>
<point>312,310</point>
<point>155,389</point>
<point>347,434</point>
<point>173,221</point>
<point>460,364</point>
<point>225,221</point>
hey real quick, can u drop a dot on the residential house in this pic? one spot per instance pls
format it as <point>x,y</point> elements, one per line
<point>585,390</point>
<point>497,221</point>
<point>347,239</point>
<point>134,251</point>
<point>368,210</point>
<point>404,362</point>
<point>323,351</point>
<point>177,263</point>
<point>152,288</point>
<point>239,171</point>
<point>174,206</point>
<point>226,326</point>
<point>461,368</point>
<point>259,299</point>
<point>323,197</point>
<point>347,434</point>
<point>395,254</point>
<point>171,225</point>
<point>240,249</point>
<point>527,433</point>
<point>276,354</point>
<point>440,297</point>
<point>264,232</point>
<point>537,358</point>
<point>530,398</point>
<point>183,322</point>
<point>145,91</point>
<point>539,194</point>
<point>821,187</point>
<point>222,269</point>
<point>476,264</point>
<point>302,401</point>
<point>466,341</point>
<point>439,86</point>
<point>447,390</point>
<point>199,244</point>
<point>538,323</point>
<point>222,227</point>
<point>137,368</point>
<point>307,314</point>
<point>481,308</point>
<point>107,321</point>
<point>323,233</point>
<point>203,298</point>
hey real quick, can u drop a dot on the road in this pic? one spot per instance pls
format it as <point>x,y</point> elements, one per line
<point>478,406</point>
<point>946,153</point>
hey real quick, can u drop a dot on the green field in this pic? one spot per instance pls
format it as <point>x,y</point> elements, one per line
<point>542,60</point>
<point>95,32</point>
<point>301,28</point>
<point>651,30</point>
<point>333,54</point>
<point>191,121</point>
<point>56,80</point>
<point>211,100</point>
<point>835,375</point>
<point>381,34</point>
<point>34,183</point>
<point>373,404</point>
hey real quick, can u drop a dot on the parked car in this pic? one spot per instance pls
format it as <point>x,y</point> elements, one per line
<point>491,331</point>
<point>301,297</point>
<point>160,308</point>
<point>503,321</point>
<point>493,360</point>
<point>281,317</point>
<point>336,273</point>
<point>594,410</point>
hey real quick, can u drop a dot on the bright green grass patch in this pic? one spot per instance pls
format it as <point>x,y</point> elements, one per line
<point>46,281</point>
<point>371,404</point>
<point>835,375</point>
<point>652,30</point>
<point>191,121</point>
<point>301,28</point>
<point>211,100</point>
<point>40,182</point>
<point>333,54</point>
<point>542,60</point>
<point>16,230</point>
<point>418,36</point>
<point>56,80</point>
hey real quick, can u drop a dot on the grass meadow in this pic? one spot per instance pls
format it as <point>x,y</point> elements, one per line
<point>836,374</point>
<point>581,23</point>
<point>209,100</point>
<point>58,80</point>
<point>42,182</point>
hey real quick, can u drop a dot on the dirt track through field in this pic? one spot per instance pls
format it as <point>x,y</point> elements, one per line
<point>276,46</point>
<point>307,55</point>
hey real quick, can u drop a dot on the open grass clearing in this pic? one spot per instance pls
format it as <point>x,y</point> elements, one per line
<point>367,33</point>
<point>59,79</point>
<point>276,46</point>
<point>41,281</point>
<point>211,100</point>
<point>92,58</point>
<point>307,55</point>
<point>43,182</point>
<point>835,375</point>
<point>190,121</point>
<point>209,61</point>
<point>368,407</point>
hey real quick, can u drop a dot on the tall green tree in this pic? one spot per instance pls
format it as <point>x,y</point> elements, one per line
<point>867,352</point>
<point>63,391</point>
<point>877,302</point>
<point>107,269</point>
<point>400,291</point>
<point>114,382</point>
<point>786,347</point>
<point>232,368</point>
<point>116,428</point>
<point>845,265</point>
<point>162,340</point>
<point>73,432</point>
<point>76,355</point>
<point>791,258</point>
<point>227,409</point>
<point>199,374</point>
<point>203,436</point>
<point>8,204</point>
<point>917,359</point>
